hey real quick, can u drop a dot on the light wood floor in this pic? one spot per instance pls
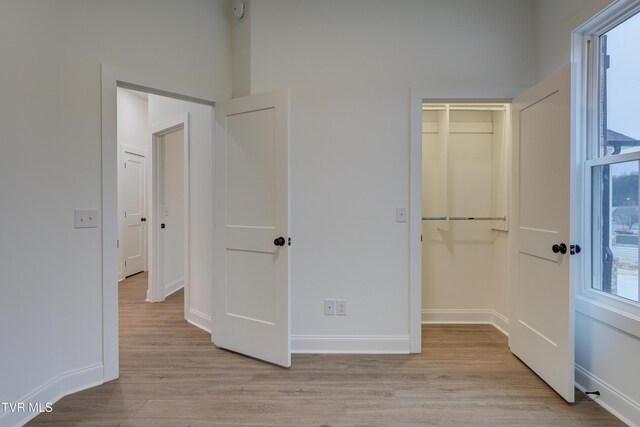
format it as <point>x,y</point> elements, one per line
<point>171,375</point>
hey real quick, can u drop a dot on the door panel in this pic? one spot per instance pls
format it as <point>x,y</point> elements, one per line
<point>542,318</point>
<point>134,205</point>
<point>251,279</point>
<point>251,169</point>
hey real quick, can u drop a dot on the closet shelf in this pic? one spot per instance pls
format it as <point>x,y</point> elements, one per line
<point>464,218</point>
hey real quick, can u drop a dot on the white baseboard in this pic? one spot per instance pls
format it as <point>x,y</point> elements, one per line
<point>466,316</point>
<point>610,398</point>
<point>174,286</point>
<point>358,344</point>
<point>199,320</point>
<point>51,392</point>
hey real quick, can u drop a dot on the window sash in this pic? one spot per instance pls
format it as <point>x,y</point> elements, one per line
<point>594,158</point>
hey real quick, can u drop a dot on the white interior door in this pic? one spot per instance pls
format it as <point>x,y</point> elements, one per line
<point>542,318</point>
<point>251,253</point>
<point>133,235</point>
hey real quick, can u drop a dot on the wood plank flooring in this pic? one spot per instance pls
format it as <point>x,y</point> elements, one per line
<point>171,375</point>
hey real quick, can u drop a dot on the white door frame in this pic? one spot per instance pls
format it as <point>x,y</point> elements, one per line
<point>156,283</point>
<point>417,97</point>
<point>142,153</point>
<point>112,78</point>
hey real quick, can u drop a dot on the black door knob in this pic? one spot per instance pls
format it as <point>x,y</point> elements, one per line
<point>575,249</point>
<point>143,219</point>
<point>279,241</point>
<point>561,248</point>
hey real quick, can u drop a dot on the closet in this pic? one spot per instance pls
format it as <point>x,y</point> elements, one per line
<point>465,227</point>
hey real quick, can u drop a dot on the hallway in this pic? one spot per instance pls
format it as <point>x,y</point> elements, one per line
<point>171,375</point>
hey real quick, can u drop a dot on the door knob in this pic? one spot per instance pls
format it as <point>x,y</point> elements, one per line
<point>143,219</point>
<point>562,248</point>
<point>279,241</point>
<point>575,249</point>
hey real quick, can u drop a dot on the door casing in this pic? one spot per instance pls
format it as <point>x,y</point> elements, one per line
<point>418,97</point>
<point>156,283</point>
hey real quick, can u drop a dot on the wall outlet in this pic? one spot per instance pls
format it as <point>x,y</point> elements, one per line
<point>341,307</point>
<point>329,307</point>
<point>86,218</point>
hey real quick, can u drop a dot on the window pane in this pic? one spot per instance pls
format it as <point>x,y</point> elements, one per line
<point>619,89</point>
<point>615,229</point>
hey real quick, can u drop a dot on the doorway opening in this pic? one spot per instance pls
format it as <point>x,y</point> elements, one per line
<point>497,219</point>
<point>156,134</point>
<point>166,99</point>
<point>153,180</point>
<point>465,212</point>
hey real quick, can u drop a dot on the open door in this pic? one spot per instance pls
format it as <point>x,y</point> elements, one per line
<point>541,331</point>
<point>251,244</point>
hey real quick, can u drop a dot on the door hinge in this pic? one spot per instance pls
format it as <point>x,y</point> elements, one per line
<point>125,263</point>
<point>125,214</point>
<point>125,165</point>
<point>289,241</point>
<point>117,243</point>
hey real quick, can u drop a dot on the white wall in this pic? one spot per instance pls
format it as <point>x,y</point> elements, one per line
<point>50,162</point>
<point>555,20</point>
<point>350,66</point>
<point>200,191</point>
<point>173,234</point>
<point>133,132</point>
<point>606,357</point>
<point>241,51</point>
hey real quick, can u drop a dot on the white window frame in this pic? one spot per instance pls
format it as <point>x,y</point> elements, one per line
<point>617,311</point>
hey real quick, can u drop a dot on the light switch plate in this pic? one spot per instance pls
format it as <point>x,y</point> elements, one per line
<point>329,307</point>
<point>86,218</point>
<point>401,214</point>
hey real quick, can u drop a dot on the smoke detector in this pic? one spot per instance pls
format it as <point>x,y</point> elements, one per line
<point>238,10</point>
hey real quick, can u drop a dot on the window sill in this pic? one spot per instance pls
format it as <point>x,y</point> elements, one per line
<point>609,315</point>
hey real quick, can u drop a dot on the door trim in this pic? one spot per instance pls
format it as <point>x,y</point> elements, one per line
<point>156,290</point>
<point>112,78</point>
<point>419,95</point>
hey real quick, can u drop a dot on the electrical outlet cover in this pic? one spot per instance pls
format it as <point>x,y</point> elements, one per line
<point>341,307</point>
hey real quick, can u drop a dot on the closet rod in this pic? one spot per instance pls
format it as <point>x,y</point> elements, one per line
<point>470,108</point>
<point>465,218</point>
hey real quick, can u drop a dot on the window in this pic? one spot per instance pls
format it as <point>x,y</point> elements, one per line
<point>614,165</point>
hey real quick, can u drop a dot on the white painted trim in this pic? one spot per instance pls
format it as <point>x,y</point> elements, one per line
<point>133,150</point>
<point>608,315</point>
<point>54,390</point>
<point>612,160</point>
<point>466,316</point>
<point>417,97</point>
<point>351,344</point>
<point>174,287</point>
<point>611,399</point>
<point>157,292</point>
<point>501,322</point>
<point>112,78</point>
<point>199,320</point>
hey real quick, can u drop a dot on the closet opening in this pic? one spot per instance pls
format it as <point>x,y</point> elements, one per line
<point>466,153</point>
